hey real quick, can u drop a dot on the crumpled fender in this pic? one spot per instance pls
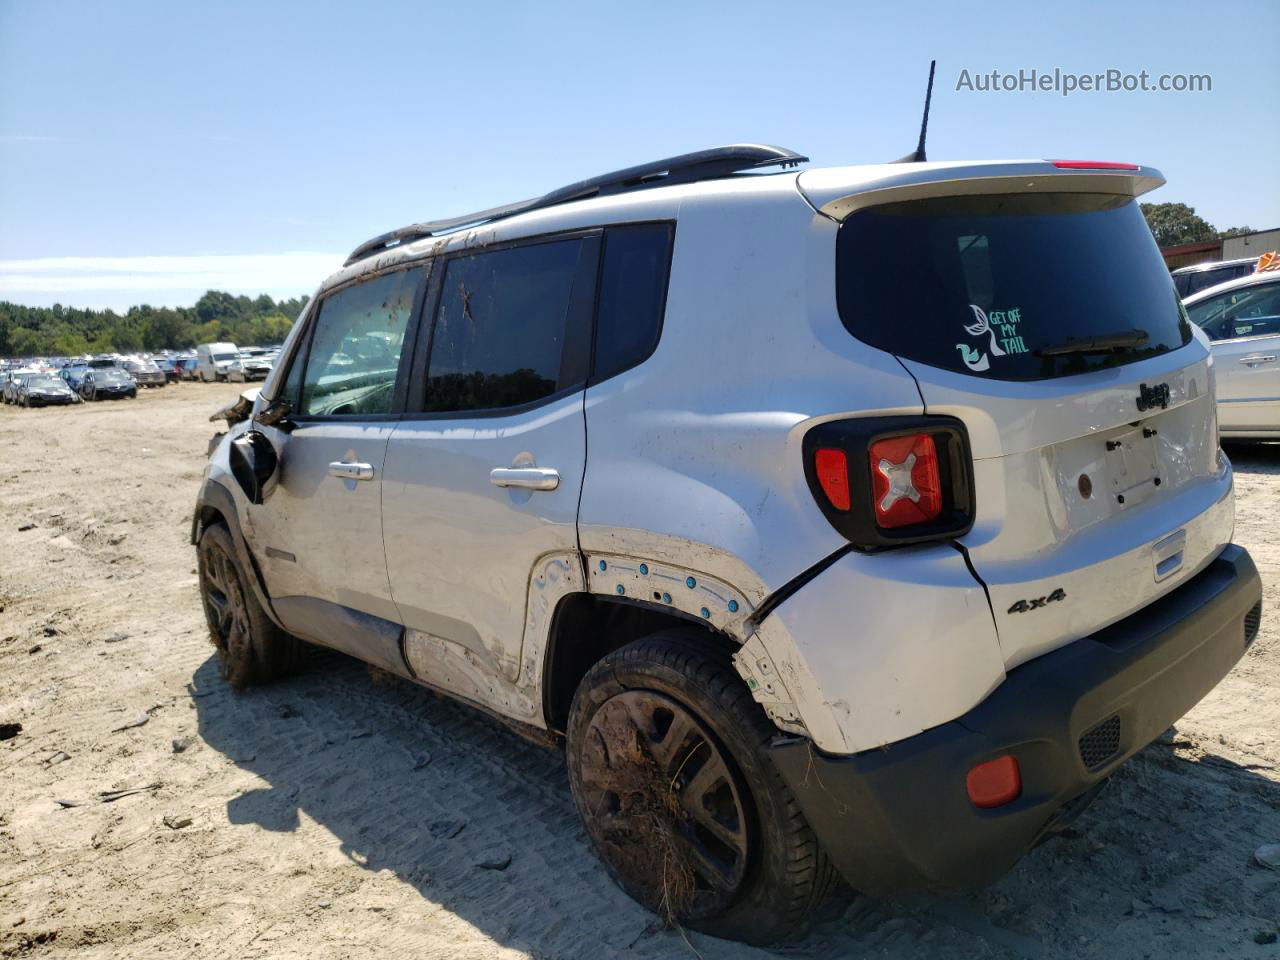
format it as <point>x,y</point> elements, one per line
<point>238,409</point>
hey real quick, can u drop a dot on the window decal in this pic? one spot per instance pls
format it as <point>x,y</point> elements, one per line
<point>1001,327</point>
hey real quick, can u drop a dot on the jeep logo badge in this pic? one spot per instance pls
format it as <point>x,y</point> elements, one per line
<point>1157,396</point>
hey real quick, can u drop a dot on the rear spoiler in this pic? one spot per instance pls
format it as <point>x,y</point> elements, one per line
<point>837,192</point>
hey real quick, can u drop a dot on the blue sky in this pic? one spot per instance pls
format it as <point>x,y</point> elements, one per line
<point>151,149</point>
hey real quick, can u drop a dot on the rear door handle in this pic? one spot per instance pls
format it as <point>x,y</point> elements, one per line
<point>351,471</point>
<point>529,478</point>
<point>1258,358</point>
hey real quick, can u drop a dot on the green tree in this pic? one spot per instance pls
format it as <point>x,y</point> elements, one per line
<point>70,344</point>
<point>1235,232</point>
<point>1175,223</point>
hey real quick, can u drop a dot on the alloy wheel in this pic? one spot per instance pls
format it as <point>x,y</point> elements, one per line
<point>666,807</point>
<point>224,602</point>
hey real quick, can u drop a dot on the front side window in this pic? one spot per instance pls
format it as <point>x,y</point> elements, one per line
<point>355,347</point>
<point>1008,287</point>
<point>502,326</point>
<point>1246,312</point>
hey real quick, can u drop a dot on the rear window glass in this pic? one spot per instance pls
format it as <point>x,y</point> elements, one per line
<point>997,286</point>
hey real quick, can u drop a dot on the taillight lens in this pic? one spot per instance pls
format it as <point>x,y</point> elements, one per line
<point>905,483</point>
<point>832,467</point>
<point>892,480</point>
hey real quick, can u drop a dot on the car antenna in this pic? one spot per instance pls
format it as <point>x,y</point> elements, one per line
<point>918,156</point>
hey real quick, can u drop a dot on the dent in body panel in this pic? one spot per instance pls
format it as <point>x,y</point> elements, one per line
<point>692,591</point>
<point>452,667</point>
<point>554,577</point>
<point>678,587</point>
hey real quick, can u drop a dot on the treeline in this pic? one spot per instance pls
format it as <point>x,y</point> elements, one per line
<point>67,331</point>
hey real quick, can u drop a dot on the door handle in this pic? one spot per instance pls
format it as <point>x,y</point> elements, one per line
<point>1258,358</point>
<point>529,478</point>
<point>351,471</point>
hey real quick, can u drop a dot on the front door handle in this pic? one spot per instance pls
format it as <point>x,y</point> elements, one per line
<point>1258,358</point>
<point>351,471</point>
<point>529,478</point>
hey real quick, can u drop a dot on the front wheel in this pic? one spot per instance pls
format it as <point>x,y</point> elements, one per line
<point>251,649</point>
<point>668,769</point>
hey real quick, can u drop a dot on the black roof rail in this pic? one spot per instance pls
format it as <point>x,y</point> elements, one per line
<point>686,168</point>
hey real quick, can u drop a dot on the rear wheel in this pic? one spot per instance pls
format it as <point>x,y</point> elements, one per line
<point>251,649</point>
<point>667,765</point>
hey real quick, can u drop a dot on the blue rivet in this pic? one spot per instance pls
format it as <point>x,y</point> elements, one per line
<point>603,565</point>
<point>621,590</point>
<point>706,614</point>
<point>733,606</point>
<point>690,582</point>
<point>644,569</point>
<point>666,598</point>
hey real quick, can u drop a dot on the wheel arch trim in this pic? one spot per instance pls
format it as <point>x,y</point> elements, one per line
<point>216,497</point>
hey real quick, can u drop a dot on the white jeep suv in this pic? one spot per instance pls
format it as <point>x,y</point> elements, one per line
<point>859,519</point>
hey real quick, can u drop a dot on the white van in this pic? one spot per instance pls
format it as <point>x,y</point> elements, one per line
<point>213,359</point>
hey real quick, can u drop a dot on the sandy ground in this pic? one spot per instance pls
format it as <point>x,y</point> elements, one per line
<point>323,811</point>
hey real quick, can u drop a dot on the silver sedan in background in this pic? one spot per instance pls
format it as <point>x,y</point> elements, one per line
<point>1241,318</point>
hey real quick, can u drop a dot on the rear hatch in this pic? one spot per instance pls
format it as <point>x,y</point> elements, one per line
<point>1044,318</point>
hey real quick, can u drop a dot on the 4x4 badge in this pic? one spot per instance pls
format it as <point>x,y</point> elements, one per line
<point>1022,606</point>
<point>1157,396</point>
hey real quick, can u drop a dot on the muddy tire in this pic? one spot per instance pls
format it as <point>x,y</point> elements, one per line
<point>251,649</point>
<point>668,769</point>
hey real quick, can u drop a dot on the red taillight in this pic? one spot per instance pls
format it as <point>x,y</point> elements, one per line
<point>1092,165</point>
<point>994,783</point>
<point>905,482</point>
<point>832,467</point>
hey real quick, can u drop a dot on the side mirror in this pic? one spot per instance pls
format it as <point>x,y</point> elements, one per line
<point>253,464</point>
<point>276,414</point>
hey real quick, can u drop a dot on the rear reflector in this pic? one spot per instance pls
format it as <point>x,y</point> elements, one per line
<point>905,482</point>
<point>994,783</point>
<point>832,467</point>
<point>1092,165</point>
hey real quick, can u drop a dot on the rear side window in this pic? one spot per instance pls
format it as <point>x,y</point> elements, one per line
<point>355,347</point>
<point>504,328</point>
<point>1189,283</point>
<point>998,286</point>
<point>633,295</point>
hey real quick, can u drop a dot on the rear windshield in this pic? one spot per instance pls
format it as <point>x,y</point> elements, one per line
<point>991,285</point>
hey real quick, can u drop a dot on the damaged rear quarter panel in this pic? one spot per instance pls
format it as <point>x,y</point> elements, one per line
<point>694,457</point>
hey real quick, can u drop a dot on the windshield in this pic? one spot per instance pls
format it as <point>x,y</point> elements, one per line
<point>982,284</point>
<point>45,383</point>
<point>110,376</point>
<point>224,357</point>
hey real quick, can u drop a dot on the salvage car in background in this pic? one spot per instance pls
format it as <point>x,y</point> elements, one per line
<point>252,364</point>
<point>44,390</point>
<point>1191,280</point>
<point>1241,318</point>
<point>107,383</point>
<point>12,380</point>
<point>145,373</point>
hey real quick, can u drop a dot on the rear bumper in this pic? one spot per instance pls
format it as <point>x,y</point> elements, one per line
<point>899,818</point>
